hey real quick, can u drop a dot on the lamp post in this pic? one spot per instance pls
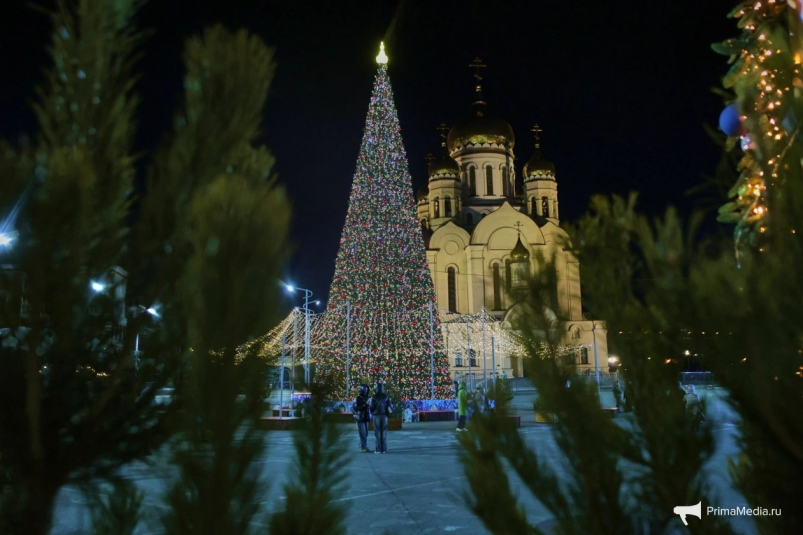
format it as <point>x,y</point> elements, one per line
<point>307,295</point>
<point>596,357</point>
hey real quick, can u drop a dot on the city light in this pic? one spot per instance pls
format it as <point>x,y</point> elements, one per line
<point>97,287</point>
<point>7,238</point>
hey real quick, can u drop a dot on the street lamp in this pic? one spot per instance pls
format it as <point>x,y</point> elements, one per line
<point>596,358</point>
<point>97,287</point>
<point>7,239</point>
<point>307,295</point>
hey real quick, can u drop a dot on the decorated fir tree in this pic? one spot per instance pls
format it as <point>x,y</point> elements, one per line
<point>381,272</point>
<point>767,80</point>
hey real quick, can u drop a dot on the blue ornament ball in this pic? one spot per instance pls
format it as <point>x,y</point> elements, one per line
<point>729,120</point>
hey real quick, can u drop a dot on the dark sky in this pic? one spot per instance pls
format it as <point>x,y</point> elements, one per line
<point>620,88</point>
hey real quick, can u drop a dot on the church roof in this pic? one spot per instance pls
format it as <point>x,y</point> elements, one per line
<point>519,252</point>
<point>538,167</point>
<point>480,126</point>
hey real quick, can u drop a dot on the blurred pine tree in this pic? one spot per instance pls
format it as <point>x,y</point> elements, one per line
<point>76,404</point>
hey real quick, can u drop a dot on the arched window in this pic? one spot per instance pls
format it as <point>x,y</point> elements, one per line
<point>489,180</point>
<point>472,181</point>
<point>437,207</point>
<point>452,281</point>
<point>497,288</point>
<point>545,206</point>
<point>505,185</point>
<point>423,224</point>
<point>584,355</point>
<point>508,275</point>
<point>447,206</point>
<point>469,218</point>
<point>533,204</point>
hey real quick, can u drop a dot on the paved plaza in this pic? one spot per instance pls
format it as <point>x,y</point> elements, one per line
<point>417,488</point>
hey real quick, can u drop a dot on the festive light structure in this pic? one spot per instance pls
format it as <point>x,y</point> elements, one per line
<point>766,77</point>
<point>381,272</point>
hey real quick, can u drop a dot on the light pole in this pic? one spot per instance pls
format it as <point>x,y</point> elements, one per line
<point>596,357</point>
<point>307,295</point>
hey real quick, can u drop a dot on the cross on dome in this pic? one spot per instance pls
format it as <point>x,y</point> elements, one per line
<point>536,130</point>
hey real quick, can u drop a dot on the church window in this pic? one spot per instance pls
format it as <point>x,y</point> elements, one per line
<point>469,218</point>
<point>545,206</point>
<point>489,180</point>
<point>533,205</point>
<point>505,185</point>
<point>447,206</point>
<point>508,277</point>
<point>437,207</point>
<point>472,181</point>
<point>424,224</point>
<point>497,288</point>
<point>584,355</point>
<point>452,282</point>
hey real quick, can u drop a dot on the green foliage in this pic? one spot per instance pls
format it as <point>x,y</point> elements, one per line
<point>225,283</point>
<point>751,316</point>
<point>316,477</point>
<point>118,512</point>
<point>72,408</point>
<point>657,457</point>
<point>75,406</point>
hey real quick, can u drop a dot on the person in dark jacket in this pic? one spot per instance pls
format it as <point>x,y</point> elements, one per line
<point>362,414</point>
<point>381,408</point>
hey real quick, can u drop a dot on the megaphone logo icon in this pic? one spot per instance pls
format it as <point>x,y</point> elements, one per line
<point>683,510</point>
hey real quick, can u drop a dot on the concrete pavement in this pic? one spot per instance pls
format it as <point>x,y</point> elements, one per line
<point>415,489</point>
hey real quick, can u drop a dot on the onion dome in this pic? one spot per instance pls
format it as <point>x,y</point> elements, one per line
<point>538,167</point>
<point>443,167</point>
<point>422,194</point>
<point>519,252</point>
<point>480,126</point>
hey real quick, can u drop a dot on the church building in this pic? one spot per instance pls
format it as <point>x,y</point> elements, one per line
<point>484,235</point>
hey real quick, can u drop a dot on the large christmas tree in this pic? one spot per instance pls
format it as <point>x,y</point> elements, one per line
<point>381,273</point>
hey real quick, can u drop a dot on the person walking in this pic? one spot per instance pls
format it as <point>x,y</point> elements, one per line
<point>381,408</point>
<point>618,396</point>
<point>362,413</point>
<point>462,406</point>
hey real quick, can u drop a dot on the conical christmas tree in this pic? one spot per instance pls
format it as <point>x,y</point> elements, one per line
<point>381,274</point>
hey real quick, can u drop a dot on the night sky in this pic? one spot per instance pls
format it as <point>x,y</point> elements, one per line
<point>621,89</point>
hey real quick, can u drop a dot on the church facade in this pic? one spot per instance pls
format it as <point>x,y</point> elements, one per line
<point>484,235</point>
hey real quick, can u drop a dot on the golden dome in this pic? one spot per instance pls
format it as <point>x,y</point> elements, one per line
<point>538,166</point>
<point>480,127</point>
<point>443,167</point>
<point>519,252</point>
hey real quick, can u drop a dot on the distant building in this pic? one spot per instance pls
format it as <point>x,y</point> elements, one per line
<point>483,236</point>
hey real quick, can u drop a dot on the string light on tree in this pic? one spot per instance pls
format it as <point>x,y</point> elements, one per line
<point>766,78</point>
